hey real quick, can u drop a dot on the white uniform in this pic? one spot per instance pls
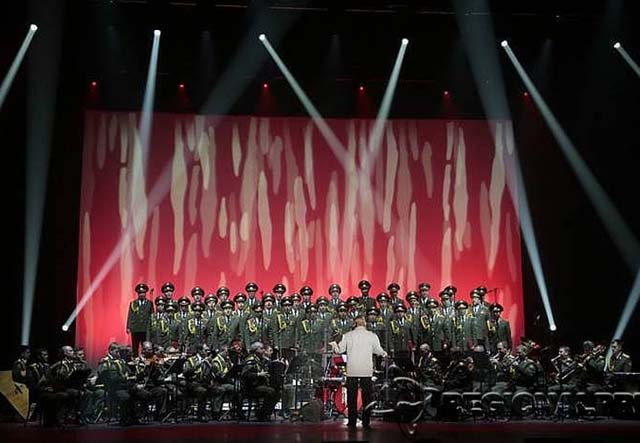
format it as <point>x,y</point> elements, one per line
<point>360,345</point>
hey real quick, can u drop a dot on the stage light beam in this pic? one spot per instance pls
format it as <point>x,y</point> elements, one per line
<point>627,58</point>
<point>15,65</point>
<point>611,218</point>
<point>146,117</point>
<point>41,94</point>
<point>479,38</point>
<point>334,144</point>
<point>375,139</point>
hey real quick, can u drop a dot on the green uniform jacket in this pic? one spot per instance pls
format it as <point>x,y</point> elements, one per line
<point>139,315</point>
<point>498,331</point>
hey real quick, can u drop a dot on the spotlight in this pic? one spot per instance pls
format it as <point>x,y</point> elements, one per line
<point>405,41</point>
<point>361,88</point>
<point>156,33</point>
<point>617,45</point>
<point>525,93</point>
<point>34,28</point>
<point>446,93</point>
<point>553,327</point>
<point>504,43</point>
<point>181,86</point>
<point>94,84</point>
<point>262,37</point>
<point>265,85</point>
<point>65,328</point>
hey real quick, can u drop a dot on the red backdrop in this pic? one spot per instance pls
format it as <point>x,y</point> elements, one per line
<point>226,200</point>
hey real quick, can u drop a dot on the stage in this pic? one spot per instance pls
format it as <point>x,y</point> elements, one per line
<point>336,431</point>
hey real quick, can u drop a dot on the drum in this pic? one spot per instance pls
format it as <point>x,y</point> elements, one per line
<point>337,366</point>
<point>339,360</point>
<point>340,400</point>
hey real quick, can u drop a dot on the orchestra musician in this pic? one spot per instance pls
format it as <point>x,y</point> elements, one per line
<point>256,381</point>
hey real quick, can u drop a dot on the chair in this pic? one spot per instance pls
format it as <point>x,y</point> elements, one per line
<point>522,404</point>
<point>472,402</point>
<point>623,405</point>
<point>564,406</point>
<point>542,404</point>
<point>494,405</point>
<point>604,404</point>
<point>452,405</point>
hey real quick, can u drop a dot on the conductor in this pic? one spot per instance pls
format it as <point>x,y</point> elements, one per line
<point>360,346</point>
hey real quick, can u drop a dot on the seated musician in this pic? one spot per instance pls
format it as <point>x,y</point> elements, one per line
<point>196,373</point>
<point>66,395</point>
<point>429,368</point>
<point>619,364</point>
<point>148,387</point>
<point>459,374</point>
<point>592,360</point>
<point>222,382</point>
<point>619,361</point>
<point>19,370</point>
<point>566,371</point>
<point>114,374</point>
<point>255,379</point>
<point>503,365</point>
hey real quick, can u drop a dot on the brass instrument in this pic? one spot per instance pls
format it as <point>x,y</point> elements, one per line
<point>595,352</point>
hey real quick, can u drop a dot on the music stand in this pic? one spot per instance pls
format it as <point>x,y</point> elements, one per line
<point>78,378</point>
<point>174,368</point>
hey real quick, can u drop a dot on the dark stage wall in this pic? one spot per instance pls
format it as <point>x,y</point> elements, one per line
<point>225,200</point>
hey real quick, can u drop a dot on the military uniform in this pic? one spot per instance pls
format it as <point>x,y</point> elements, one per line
<point>167,291</point>
<point>222,384</point>
<point>525,375</point>
<point>113,372</point>
<point>480,317</point>
<point>402,338</point>
<point>386,310</point>
<point>462,327</point>
<point>423,293</point>
<point>376,324</point>
<point>620,362</point>
<point>256,328</point>
<point>268,309</point>
<point>138,318</point>
<point>212,308</point>
<point>161,329</point>
<point>224,328</point>
<point>255,380</point>
<point>283,329</point>
<point>197,371</point>
<point>504,366</point>
<point>252,300</point>
<point>498,330</point>
<point>195,333</point>
<point>429,370</point>
<point>340,324</point>
<point>434,328</point>
<point>19,370</point>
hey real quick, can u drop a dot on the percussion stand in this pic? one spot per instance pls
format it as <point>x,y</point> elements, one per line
<point>330,407</point>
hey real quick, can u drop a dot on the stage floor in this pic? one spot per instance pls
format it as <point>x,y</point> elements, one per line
<point>334,431</point>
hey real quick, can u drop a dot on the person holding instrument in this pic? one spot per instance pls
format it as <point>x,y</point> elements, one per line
<point>360,346</point>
